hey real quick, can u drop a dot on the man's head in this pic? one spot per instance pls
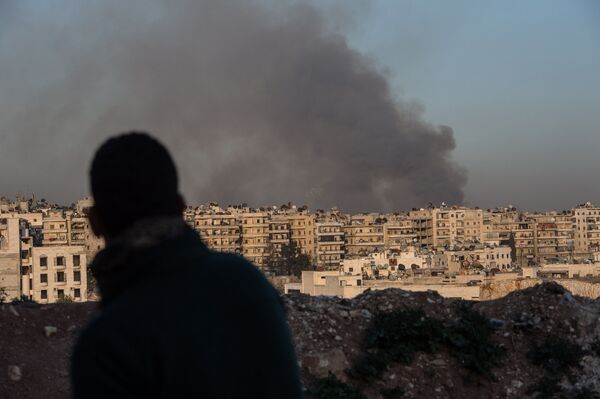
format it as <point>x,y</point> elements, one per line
<point>132,177</point>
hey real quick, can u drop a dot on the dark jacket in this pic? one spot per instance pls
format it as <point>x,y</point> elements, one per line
<point>180,321</point>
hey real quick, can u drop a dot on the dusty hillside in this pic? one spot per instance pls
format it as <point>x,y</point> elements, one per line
<point>540,342</point>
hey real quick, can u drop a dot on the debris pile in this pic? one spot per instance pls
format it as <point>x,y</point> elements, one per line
<point>541,342</point>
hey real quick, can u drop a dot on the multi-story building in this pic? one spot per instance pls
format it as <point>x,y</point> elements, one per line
<point>499,225</point>
<point>255,237</point>
<point>302,231</point>
<point>456,225</point>
<point>484,256</point>
<point>10,254</point>
<point>330,248</point>
<point>553,236</point>
<point>524,236</point>
<point>422,222</point>
<point>363,235</point>
<point>439,227</point>
<point>55,229</point>
<point>398,233</point>
<point>279,234</point>
<point>220,231</point>
<point>58,273</point>
<point>586,219</point>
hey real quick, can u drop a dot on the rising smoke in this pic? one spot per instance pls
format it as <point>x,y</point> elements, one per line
<point>260,103</point>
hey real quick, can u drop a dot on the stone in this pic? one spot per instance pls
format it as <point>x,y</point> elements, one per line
<point>14,373</point>
<point>50,330</point>
<point>320,364</point>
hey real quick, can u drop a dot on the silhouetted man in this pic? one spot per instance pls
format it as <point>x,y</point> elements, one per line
<point>177,320</point>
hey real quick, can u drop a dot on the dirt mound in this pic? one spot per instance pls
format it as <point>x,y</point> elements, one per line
<point>35,344</point>
<point>540,342</point>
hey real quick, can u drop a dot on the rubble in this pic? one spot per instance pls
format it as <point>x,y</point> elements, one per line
<point>544,342</point>
<point>14,373</point>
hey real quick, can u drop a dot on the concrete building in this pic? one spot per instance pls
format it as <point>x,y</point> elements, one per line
<point>331,283</point>
<point>422,222</point>
<point>363,235</point>
<point>220,231</point>
<point>10,257</point>
<point>279,235</point>
<point>302,231</point>
<point>456,225</point>
<point>586,229</point>
<point>479,256</point>
<point>255,237</point>
<point>398,233</point>
<point>330,244</point>
<point>438,227</point>
<point>55,229</point>
<point>58,273</point>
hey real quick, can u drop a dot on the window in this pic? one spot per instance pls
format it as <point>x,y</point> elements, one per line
<point>60,277</point>
<point>76,260</point>
<point>77,293</point>
<point>60,294</point>
<point>43,261</point>
<point>60,261</point>
<point>77,276</point>
<point>44,278</point>
<point>44,294</point>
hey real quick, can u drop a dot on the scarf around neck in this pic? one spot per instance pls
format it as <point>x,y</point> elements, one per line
<point>127,257</point>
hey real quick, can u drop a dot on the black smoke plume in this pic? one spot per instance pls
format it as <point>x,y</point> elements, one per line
<point>259,102</point>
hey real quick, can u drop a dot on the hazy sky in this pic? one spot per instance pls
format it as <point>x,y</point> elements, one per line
<point>517,81</point>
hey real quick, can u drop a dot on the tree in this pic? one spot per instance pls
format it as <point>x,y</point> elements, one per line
<point>288,260</point>
<point>513,247</point>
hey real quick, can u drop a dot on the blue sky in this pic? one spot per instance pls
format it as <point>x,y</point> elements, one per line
<point>518,81</point>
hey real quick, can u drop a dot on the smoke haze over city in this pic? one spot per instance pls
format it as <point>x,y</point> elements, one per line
<point>260,102</point>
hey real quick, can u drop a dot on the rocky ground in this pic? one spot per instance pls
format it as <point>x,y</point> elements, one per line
<point>539,342</point>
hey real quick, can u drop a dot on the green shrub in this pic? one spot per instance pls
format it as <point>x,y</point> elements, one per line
<point>399,335</point>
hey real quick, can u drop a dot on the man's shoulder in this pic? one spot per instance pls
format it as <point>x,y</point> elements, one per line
<point>216,264</point>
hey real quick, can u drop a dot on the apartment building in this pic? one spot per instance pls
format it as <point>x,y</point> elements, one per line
<point>554,236</point>
<point>456,225</point>
<point>302,232</point>
<point>499,225</point>
<point>10,254</point>
<point>484,256</point>
<point>438,227</point>
<point>586,218</point>
<point>398,233</point>
<point>363,235</point>
<point>55,229</point>
<point>255,237</point>
<point>330,247</point>
<point>57,273</point>
<point>422,222</point>
<point>279,234</point>
<point>220,231</point>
